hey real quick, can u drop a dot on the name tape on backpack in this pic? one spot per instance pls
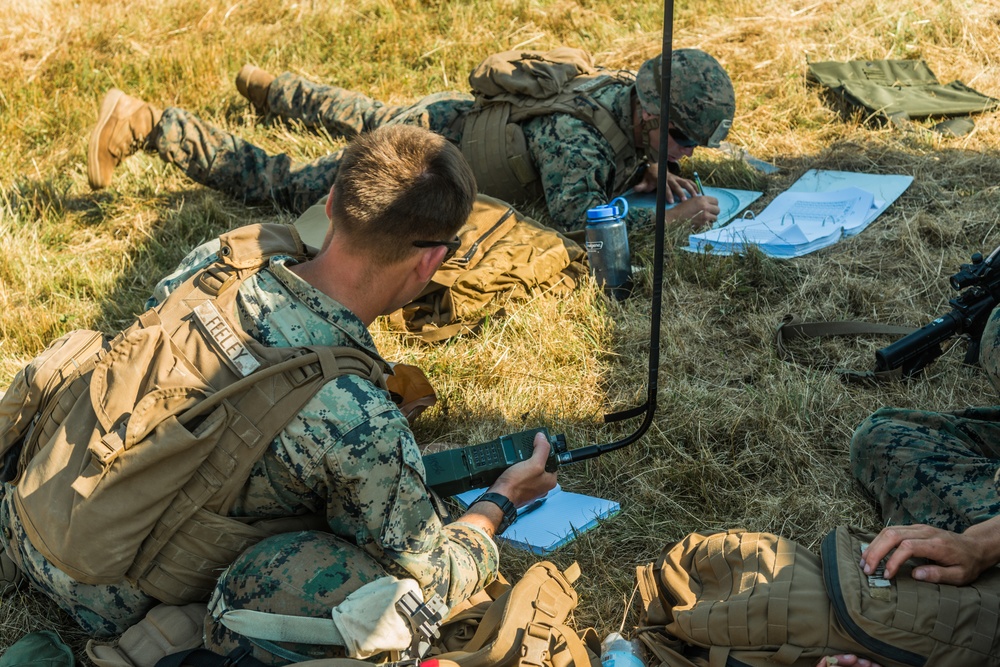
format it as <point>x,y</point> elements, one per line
<point>224,336</point>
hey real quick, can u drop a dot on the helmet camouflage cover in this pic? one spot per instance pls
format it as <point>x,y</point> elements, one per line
<point>297,574</point>
<point>702,101</point>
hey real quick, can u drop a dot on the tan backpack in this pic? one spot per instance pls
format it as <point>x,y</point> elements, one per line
<point>756,600</point>
<point>146,439</point>
<point>524,625</point>
<point>514,86</point>
<point>504,256</point>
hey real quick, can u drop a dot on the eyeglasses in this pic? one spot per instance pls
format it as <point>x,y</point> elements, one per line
<point>452,246</point>
<point>681,139</point>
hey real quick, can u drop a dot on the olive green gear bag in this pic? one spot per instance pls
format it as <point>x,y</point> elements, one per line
<point>745,599</point>
<point>146,439</point>
<point>38,649</point>
<point>504,257</point>
<point>896,91</point>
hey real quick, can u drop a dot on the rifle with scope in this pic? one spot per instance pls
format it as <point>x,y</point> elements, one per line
<point>978,284</point>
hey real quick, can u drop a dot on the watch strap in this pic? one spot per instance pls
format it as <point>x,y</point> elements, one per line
<point>503,502</point>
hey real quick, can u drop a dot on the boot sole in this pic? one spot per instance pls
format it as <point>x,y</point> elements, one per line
<point>93,146</point>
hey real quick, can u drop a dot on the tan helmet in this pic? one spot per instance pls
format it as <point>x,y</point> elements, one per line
<point>702,101</point>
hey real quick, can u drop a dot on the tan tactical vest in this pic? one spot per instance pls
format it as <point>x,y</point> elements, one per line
<point>137,447</point>
<point>493,141</point>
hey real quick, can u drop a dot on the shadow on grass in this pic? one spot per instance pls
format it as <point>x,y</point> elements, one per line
<point>739,438</point>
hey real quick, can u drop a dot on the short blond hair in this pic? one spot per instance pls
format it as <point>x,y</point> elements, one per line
<point>399,184</point>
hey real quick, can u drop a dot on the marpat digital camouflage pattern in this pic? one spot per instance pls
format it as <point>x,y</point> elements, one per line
<point>938,468</point>
<point>702,100</point>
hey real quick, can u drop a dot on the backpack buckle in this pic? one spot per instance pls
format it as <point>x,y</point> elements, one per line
<point>425,620</point>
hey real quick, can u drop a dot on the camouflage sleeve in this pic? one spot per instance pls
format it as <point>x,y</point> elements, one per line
<point>641,217</point>
<point>396,518</point>
<point>576,166</point>
<point>193,262</point>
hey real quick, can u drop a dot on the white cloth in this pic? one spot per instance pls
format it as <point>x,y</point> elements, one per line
<point>365,623</point>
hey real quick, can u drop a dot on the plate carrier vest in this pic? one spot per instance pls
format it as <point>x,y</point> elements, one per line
<point>137,447</point>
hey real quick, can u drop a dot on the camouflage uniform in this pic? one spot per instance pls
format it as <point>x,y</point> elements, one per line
<point>941,469</point>
<point>295,574</point>
<point>349,454</point>
<point>575,163</point>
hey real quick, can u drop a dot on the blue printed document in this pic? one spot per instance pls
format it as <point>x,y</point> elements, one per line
<point>818,210</point>
<point>555,521</point>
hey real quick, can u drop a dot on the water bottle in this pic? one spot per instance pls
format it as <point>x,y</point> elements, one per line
<point>607,248</point>
<point>616,651</point>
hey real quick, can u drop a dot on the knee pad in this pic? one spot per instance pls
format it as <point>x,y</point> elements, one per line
<point>297,574</point>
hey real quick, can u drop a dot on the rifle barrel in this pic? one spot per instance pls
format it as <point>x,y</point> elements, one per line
<point>916,350</point>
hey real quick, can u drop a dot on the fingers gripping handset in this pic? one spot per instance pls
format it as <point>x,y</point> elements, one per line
<point>530,479</point>
<point>457,470</point>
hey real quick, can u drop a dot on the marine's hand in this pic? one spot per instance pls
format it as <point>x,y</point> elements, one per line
<point>700,212</point>
<point>678,189</point>
<point>527,480</point>
<point>846,660</point>
<point>958,558</point>
<point>648,181</point>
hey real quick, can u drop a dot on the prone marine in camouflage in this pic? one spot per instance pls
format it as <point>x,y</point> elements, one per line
<point>936,468</point>
<point>577,168</point>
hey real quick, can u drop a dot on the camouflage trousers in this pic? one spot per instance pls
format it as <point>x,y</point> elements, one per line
<point>101,610</point>
<point>938,468</point>
<point>930,467</point>
<point>224,162</point>
<point>296,574</point>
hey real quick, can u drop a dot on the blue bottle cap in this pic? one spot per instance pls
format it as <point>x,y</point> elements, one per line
<point>598,212</point>
<point>609,210</point>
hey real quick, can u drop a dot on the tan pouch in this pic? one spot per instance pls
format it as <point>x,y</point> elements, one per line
<point>165,630</point>
<point>410,390</point>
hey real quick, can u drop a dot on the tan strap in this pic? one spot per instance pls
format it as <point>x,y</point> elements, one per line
<point>779,598</point>
<point>569,649</point>
<point>541,600</point>
<point>333,361</point>
<point>949,605</point>
<point>987,622</point>
<point>792,327</point>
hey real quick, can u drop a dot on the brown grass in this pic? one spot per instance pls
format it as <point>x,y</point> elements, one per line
<point>740,438</point>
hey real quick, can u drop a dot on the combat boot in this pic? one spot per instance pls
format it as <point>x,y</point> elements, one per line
<point>124,125</point>
<point>253,84</point>
<point>11,577</point>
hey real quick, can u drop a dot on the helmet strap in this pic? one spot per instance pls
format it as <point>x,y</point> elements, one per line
<point>652,151</point>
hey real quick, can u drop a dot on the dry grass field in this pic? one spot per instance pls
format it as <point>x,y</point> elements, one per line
<point>740,439</point>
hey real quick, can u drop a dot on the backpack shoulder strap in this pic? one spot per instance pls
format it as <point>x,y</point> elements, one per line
<point>577,100</point>
<point>245,250</point>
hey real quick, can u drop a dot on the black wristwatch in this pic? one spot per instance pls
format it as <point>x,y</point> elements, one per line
<point>507,507</point>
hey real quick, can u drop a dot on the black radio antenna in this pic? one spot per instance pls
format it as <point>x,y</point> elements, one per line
<point>649,406</point>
